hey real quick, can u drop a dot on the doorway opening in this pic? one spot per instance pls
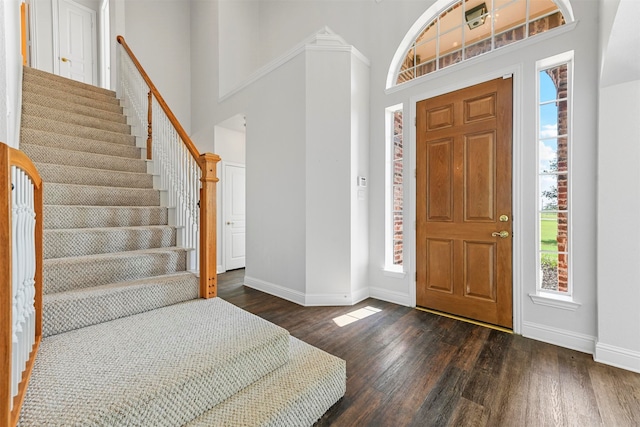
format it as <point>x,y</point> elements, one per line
<point>230,145</point>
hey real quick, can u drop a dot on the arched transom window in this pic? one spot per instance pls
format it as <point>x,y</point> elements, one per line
<point>469,28</point>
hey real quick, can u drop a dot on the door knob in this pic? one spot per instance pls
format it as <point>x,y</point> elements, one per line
<point>502,234</point>
<point>229,222</point>
<point>63,59</point>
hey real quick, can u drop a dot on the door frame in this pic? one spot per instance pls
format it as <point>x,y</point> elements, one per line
<point>223,196</point>
<point>55,30</point>
<point>518,178</point>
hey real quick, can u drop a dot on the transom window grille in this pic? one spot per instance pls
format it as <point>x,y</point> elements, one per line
<point>469,28</point>
<point>554,138</point>
<point>395,191</point>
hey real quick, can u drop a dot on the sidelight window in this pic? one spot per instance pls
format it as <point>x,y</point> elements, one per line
<point>554,185</point>
<point>394,256</point>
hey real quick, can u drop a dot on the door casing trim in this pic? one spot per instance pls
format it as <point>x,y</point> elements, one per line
<point>516,72</point>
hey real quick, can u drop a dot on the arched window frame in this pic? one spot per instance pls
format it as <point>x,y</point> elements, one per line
<point>429,16</point>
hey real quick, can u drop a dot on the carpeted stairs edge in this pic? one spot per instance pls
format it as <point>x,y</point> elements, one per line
<point>72,107</point>
<point>74,118</point>
<point>65,216</point>
<point>74,194</point>
<point>65,274</point>
<point>70,89</point>
<point>53,126</point>
<point>296,394</point>
<point>164,367</point>
<point>51,173</point>
<point>67,142</point>
<point>63,243</point>
<point>62,157</point>
<point>57,93</point>
<point>68,82</point>
<point>71,310</point>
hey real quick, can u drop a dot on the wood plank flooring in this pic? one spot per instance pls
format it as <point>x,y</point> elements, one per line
<point>410,368</point>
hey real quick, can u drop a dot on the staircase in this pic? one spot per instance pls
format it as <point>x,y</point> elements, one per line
<point>126,339</point>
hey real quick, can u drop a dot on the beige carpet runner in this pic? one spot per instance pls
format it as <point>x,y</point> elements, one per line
<point>127,341</point>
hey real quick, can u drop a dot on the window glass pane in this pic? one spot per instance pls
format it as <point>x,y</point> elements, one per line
<point>450,59</point>
<point>549,271</point>
<point>405,76</point>
<point>548,90</point>
<point>426,51</point>
<point>425,68</point>
<point>409,60</point>
<point>546,23</point>
<point>553,155</point>
<point>450,18</point>
<point>554,231</point>
<point>548,120</point>
<point>477,30</point>
<point>510,36</point>
<point>428,33</point>
<point>450,42</point>
<point>538,8</point>
<point>553,192</point>
<point>514,14</point>
<point>478,49</point>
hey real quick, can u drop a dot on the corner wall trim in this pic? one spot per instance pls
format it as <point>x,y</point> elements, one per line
<point>390,296</point>
<point>275,290</point>
<point>618,357</point>
<point>336,299</point>
<point>560,337</point>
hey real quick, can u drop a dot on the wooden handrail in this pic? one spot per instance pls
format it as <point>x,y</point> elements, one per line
<point>207,163</point>
<point>12,157</point>
<point>172,118</point>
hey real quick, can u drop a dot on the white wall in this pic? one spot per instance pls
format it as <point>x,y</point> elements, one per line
<point>10,72</point>
<point>238,23</point>
<point>618,180</point>
<point>158,34</point>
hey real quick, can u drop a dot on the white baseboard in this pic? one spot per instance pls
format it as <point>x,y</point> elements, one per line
<point>618,357</point>
<point>220,269</point>
<point>275,290</point>
<point>336,299</point>
<point>561,337</point>
<point>390,296</point>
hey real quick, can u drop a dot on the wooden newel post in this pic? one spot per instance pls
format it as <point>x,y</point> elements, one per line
<point>208,249</point>
<point>149,127</point>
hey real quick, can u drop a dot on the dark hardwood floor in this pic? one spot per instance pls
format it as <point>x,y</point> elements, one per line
<point>410,368</point>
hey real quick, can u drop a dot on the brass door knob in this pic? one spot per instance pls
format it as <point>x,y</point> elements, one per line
<point>502,234</point>
<point>63,59</point>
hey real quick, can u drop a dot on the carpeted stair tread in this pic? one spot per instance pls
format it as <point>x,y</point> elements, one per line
<point>164,367</point>
<point>72,107</point>
<point>65,274</point>
<point>69,82</point>
<point>59,156</point>
<point>73,194</point>
<point>64,216</point>
<point>296,394</point>
<point>64,243</point>
<point>61,94</point>
<point>67,142</point>
<point>53,126</point>
<point>70,89</point>
<point>52,173</point>
<point>74,118</point>
<point>76,309</point>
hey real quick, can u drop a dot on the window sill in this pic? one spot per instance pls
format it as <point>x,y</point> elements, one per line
<point>555,301</point>
<point>397,273</point>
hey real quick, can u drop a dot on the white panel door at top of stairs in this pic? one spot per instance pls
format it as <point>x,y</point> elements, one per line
<point>76,57</point>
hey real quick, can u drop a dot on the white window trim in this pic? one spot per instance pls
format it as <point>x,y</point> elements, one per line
<point>395,270</point>
<point>561,300</point>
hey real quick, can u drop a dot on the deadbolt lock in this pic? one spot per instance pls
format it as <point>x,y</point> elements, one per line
<point>504,218</point>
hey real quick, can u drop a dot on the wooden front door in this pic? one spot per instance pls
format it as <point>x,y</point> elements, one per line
<point>464,145</point>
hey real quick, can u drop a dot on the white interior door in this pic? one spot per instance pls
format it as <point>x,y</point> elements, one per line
<point>77,50</point>
<point>234,216</point>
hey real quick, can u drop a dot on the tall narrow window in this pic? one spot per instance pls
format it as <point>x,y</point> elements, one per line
<point>554,139</point>
<point>395,193</point>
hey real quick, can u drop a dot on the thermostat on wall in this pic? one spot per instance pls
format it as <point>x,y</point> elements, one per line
<point>362,181</point>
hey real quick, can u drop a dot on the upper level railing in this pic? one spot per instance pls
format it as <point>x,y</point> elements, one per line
<point>20,278</point>
<point>187,178</point>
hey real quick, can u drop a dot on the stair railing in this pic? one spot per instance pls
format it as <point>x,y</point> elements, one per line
<point>187,178</point>
<point>20,278</point>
